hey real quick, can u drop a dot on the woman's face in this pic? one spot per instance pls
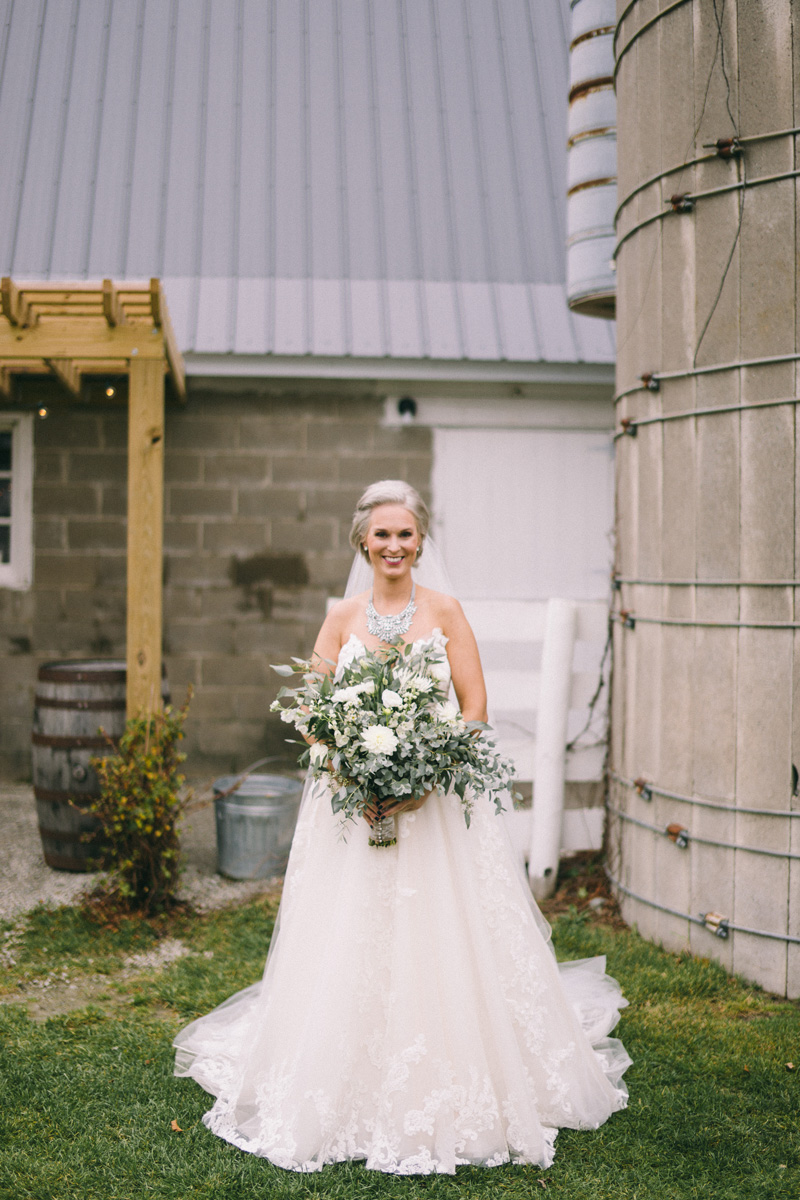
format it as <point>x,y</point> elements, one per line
<point>392,540</point>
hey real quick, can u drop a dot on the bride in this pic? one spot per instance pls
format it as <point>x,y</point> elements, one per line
<point>411,1013</point>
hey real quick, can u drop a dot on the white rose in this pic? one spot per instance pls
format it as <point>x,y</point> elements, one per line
<point>318,754</point>
<point>379,740</point>
<point>348,695</point>
<point>391,699</point>
<point>288,716</point>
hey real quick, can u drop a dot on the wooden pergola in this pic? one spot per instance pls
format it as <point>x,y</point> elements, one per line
<point>70,330</point>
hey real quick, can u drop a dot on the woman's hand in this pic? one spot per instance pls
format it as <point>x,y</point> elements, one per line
<point>372,814</point>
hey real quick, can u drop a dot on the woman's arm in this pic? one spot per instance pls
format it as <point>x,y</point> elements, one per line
<point>327,647</point>
<point>465,662</point>
<point>330,637</point>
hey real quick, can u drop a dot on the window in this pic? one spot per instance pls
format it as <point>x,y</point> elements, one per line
<point>16,525</point>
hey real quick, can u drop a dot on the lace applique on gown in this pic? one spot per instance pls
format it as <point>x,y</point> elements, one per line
<point>412,1013</point>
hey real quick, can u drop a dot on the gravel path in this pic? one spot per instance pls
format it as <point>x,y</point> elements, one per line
<point>26,881</point>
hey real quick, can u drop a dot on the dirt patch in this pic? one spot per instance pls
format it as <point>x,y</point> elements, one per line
<point>583,885</point>
<point>56,994</point>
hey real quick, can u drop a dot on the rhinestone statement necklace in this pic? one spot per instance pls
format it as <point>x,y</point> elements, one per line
<point>390,629</point>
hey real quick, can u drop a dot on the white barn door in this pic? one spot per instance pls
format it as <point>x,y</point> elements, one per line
<point>523,515</point>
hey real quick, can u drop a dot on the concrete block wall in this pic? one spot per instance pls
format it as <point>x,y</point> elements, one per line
<point>260,486</point>
<point>706,696</point>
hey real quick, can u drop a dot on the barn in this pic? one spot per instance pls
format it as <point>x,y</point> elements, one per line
<point>355,214</point>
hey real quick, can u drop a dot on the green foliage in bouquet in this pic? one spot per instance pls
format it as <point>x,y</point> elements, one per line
<point>383,727</point>
<point>139,807</point>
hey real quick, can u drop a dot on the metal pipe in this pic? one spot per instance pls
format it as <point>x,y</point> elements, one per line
<point>692,837</point>
<point>710,411</point>
<point>640,187</point>
<point>642,29</point>
<point>551,739</point>
<point>631,4</point>
<point>757,583</point>
<point>656,377</point>
<point>674,912</point>
<point>694,162</point>
<point>713,804</point>
<point>693,196</point>
<point>629,620</point>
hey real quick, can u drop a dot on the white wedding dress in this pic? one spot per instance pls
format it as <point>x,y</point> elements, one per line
<point>412,1013</point>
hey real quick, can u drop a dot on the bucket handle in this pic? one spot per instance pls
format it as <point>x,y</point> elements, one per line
<point>203,801</point>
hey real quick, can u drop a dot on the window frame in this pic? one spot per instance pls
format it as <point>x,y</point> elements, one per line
<point>18,573</point>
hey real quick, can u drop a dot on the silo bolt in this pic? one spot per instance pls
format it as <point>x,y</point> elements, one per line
<point>650,381</point>
<point>643,788</point>
<point>627,618</point>
<point>725,147</point>
<point>715,923</point>
<point>628,426</point>
<point>681,202</point>
<point>677,834</point>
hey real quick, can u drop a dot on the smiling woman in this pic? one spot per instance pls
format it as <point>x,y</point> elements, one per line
<point>412,1013</point>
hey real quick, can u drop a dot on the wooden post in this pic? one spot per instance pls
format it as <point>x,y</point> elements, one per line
<point>145,533</point>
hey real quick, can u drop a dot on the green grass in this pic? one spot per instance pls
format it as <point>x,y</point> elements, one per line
<point>88,1096</point>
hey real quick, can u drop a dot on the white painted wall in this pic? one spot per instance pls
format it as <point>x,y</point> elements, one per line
<point>525,514</point>
<point>523,500</point>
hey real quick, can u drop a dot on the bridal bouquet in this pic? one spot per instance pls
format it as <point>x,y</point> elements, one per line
<point>384,731</point>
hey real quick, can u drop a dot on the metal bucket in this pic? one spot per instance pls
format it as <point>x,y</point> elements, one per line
<point>255,824</point>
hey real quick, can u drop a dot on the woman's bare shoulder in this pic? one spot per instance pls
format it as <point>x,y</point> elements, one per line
<point>343,614</point>
<point>443,607</point>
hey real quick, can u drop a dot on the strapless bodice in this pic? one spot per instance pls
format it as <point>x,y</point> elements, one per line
<point>354,647</point>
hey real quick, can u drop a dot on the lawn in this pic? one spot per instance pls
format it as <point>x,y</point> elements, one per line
<point>89,1100</point>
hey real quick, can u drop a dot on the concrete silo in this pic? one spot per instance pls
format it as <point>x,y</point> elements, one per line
<point>704,833</point>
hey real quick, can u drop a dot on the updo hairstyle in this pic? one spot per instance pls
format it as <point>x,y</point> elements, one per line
<point>388,491</point>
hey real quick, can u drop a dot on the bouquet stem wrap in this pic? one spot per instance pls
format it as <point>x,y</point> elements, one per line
<point>384,830</point>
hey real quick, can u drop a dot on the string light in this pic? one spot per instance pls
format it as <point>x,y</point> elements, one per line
<point>111,391</point>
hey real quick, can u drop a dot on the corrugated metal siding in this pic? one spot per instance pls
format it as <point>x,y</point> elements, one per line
<point>310,177</point>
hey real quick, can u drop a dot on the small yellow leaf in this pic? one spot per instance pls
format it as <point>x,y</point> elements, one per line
<point>790,1066</point>
<point>175,1127</point>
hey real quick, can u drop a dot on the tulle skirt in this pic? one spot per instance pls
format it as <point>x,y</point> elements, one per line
<point>412,1013</point>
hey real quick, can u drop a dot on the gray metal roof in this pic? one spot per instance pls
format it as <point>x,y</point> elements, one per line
<point>309,177</point>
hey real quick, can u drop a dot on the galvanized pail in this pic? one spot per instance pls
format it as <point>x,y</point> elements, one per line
<point>255,824</point>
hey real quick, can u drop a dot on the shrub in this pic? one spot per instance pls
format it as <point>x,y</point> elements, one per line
<point>139,808</point>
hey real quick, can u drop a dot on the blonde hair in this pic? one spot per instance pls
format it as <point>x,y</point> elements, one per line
<point>388,491</point>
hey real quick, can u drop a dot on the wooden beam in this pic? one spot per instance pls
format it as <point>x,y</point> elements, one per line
<point>66,369</point>
<point>162,321</point>
<point>102,366</point>
<point>112,307</point>
<point>14,306</point>
<point>156,305</point>
<point>80,337</point>
<point>145,534</point>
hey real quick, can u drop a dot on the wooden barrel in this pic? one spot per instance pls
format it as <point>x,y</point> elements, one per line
<point>74,700</point>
